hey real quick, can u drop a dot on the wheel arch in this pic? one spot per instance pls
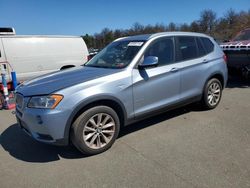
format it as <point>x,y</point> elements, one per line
<point>109,101</point>
<point>204,100</point>
<point>219,76</point>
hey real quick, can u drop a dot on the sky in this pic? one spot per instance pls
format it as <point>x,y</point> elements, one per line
<point>80,17</point>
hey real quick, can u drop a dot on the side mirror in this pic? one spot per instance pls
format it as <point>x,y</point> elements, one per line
<point>150,61</point>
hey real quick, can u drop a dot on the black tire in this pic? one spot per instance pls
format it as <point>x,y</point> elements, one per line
<point>206,100</point>
<point>82,124</point>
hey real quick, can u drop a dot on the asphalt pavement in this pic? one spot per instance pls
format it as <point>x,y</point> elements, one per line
<point>186,147</point>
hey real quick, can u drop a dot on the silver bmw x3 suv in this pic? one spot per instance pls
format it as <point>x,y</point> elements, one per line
<point>132,78</point>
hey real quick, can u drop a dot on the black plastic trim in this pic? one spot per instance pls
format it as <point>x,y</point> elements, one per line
<point>164,109</point>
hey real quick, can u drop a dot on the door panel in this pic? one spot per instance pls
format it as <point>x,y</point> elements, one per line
<point>193,65</point>
<point>192,77</point>
<point>155,88</point>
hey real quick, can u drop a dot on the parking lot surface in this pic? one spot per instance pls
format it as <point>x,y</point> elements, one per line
<point>186,147</point>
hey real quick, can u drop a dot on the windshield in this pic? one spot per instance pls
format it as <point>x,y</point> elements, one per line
<point>116,55</point>
<point>243,35</point>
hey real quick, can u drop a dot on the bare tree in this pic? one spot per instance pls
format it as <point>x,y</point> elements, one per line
<point>222,29</point>
<point>207,21</point>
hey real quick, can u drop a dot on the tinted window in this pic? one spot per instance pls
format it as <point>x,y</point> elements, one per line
<point>6,30</point>
<point>163,49</point>
<point>201,49</point>
<point>187,48</point>
<point>209,46</point>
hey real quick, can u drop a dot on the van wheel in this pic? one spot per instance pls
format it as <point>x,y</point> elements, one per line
<point>212,93</point>
<point>95,130</point>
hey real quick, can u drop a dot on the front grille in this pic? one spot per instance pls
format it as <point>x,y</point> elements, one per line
<point>19,100</point>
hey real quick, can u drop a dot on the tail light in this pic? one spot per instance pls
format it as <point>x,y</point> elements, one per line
<point>225,58</point>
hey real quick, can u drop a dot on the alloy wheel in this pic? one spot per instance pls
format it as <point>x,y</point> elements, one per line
<point>214,93</point>
<point>99,131</point>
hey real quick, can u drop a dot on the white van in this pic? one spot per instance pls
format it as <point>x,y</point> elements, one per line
<point>31,56</point>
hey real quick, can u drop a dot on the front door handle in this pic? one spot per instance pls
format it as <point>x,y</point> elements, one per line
<point>174,70</point>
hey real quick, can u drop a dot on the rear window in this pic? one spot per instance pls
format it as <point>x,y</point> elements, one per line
<point>209,46</point>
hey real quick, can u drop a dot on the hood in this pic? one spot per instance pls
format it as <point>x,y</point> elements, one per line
<point>50,83</point>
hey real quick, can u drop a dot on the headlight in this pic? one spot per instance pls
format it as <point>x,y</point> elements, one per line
<point>50,101</point>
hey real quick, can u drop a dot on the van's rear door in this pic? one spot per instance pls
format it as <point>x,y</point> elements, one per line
<point>2,60</point>
<point>2,54</point>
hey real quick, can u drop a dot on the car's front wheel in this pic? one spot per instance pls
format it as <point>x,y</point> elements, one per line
<point>212,93</point>
<point>95,130</point>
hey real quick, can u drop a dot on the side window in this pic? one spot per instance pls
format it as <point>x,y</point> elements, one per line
<point>187,48</point>
<point>201,49</point>
<point>163,49</point>
<point>209,46</point>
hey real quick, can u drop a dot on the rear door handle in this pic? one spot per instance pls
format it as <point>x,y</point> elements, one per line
<point>205,61</point>
<point>174,70</point>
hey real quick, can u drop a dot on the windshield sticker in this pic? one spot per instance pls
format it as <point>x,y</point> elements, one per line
<point>135,44</point>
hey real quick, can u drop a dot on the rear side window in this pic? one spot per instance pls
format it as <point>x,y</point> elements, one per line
<point>163,49</point>
<point>209,46</point>
<point>187,48</point>
<point>201,49</point>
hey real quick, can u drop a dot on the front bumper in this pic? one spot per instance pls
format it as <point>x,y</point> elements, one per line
<point>44,125</point>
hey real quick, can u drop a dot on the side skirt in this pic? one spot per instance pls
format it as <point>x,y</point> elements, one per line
<point>163,110</point>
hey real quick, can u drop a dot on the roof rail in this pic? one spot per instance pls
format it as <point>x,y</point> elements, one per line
<point>7,31</point>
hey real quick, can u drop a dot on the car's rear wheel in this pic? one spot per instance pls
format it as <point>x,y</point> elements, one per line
<point>95,130</point>
<point>212,93</point>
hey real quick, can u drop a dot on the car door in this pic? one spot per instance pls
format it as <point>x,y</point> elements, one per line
<point>191,55</point>
<point>157,87</point>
